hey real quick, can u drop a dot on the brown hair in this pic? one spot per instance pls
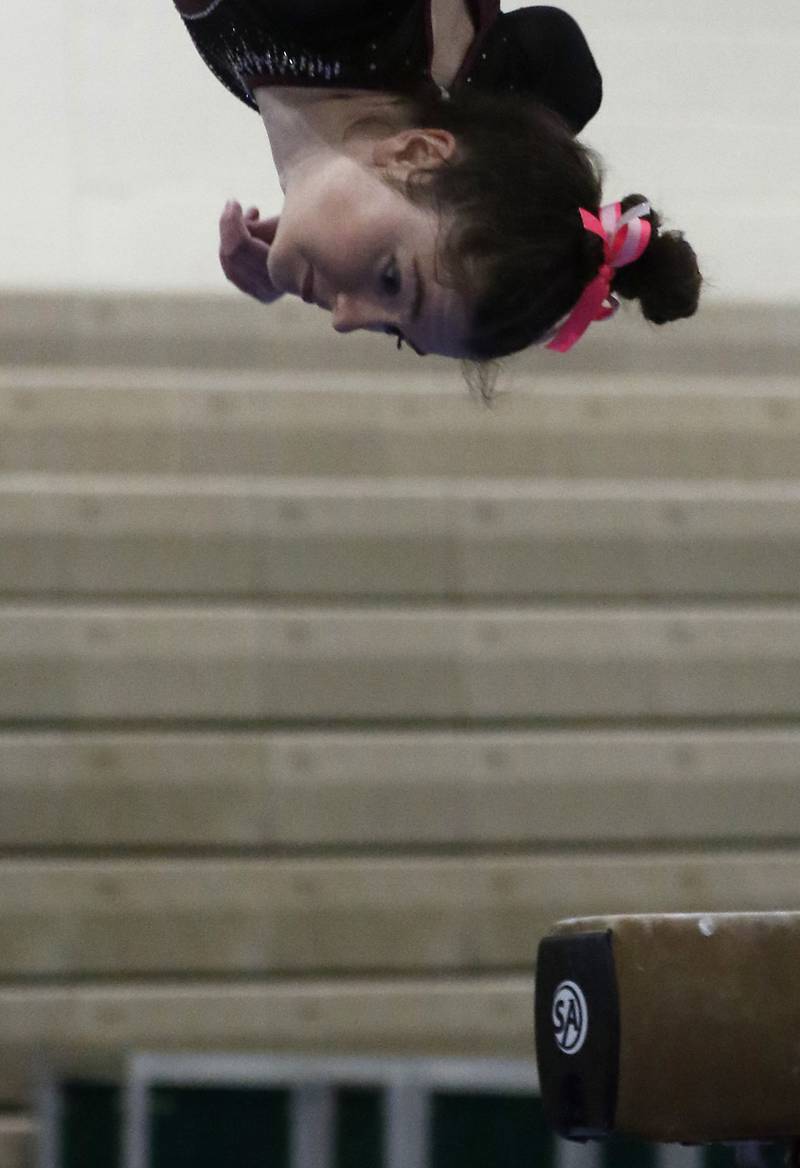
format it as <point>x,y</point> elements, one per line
<point>516,246</point>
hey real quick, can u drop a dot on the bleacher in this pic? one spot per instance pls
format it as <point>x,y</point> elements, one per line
<point>326,688</point>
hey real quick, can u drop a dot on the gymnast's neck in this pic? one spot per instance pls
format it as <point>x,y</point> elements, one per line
<point>303,123</point>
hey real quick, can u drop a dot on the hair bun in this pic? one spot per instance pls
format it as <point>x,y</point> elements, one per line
<point>666,279</point>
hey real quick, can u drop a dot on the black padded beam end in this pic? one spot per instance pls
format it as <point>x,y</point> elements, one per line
<point>676,1029</point>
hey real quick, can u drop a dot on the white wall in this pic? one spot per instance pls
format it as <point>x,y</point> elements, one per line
<point>120,147</point>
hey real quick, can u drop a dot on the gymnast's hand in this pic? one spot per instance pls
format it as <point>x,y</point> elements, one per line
<point>244,242</point>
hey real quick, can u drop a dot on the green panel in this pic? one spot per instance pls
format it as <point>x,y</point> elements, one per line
<point>219,1127</point>
<point>90,1128</point>
<point>359,1128</point>
<point>724,1156</point>
<point>621,1152</point>
<point>489,1131</point>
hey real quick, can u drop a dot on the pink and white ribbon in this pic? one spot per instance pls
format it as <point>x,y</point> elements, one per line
<point>625,238</point>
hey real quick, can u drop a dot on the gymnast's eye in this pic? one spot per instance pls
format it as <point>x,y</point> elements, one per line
<point>391,279</point>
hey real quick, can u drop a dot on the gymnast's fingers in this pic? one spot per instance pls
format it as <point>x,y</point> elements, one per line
<point>232,230</point>
<point>264,229</point>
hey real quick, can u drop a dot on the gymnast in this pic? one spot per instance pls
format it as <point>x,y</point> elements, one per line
<point>434,188</point>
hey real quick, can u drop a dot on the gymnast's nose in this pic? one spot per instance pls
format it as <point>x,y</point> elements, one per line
<point>350,312</point>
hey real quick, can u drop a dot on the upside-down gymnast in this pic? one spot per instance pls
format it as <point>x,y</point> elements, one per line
<point>433,185</point>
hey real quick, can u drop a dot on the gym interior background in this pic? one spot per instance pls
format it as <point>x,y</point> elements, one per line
<point>326,689</point>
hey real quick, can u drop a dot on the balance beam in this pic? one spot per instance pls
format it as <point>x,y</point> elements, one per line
<point>675,1029</point>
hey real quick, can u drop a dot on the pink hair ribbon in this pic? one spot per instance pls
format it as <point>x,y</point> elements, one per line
<point>625,238</point>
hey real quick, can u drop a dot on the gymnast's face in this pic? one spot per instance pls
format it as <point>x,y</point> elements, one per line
<point>351,244</point>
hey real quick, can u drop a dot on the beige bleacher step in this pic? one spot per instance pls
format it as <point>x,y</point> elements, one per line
<point>426,663</point>
<point>230,331</point>
<point>131,535</point>
<point>86,1029</point>
<point>414,789</point>
<point>157,422</point>
<point>412,914</point>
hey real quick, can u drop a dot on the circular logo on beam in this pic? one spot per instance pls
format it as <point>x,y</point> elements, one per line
<point>570,1017</point>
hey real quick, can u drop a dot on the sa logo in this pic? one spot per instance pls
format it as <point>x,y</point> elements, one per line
<point>570,1017</point>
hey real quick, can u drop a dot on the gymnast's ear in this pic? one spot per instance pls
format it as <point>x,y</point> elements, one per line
<point>413,150</point>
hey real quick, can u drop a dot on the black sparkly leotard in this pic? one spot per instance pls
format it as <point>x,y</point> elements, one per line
<point>388,45</point>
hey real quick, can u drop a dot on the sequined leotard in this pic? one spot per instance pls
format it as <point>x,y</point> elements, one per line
<point>388,45</point>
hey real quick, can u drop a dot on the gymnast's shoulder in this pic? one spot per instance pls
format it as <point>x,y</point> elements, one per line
<point>541,51</point>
